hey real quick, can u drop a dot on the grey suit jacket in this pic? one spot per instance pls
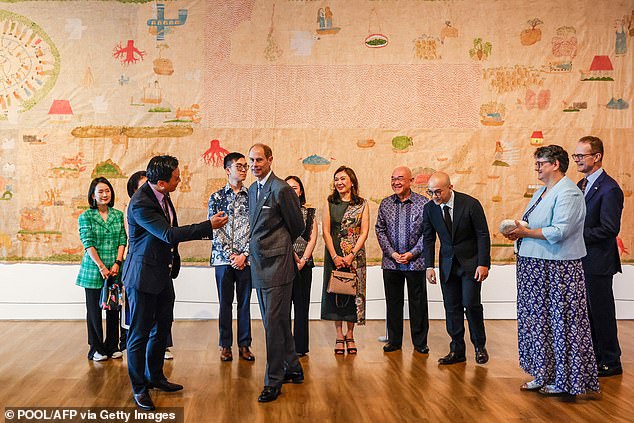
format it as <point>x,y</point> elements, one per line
<point>276,221</point>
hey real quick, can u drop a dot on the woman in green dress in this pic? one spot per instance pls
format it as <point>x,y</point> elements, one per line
<point>346,223</point>
<point>102,233</point>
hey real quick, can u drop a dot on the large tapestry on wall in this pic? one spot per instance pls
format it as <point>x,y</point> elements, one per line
<point>96,88</point>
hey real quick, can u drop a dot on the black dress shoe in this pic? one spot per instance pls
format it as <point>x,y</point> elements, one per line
<point>391,347</point>
<point>606,371</point>
<point>452,358</point>
<point>422,350</point>
<point>143,401</point>
<point>269,393</point>
<point>166,386</point>
<point>481,355</point>
<point>294,377</point>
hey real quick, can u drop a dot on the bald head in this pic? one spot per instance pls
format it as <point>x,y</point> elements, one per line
<point>439,179</point>
<point>402,170</point>
<point>439,187</point>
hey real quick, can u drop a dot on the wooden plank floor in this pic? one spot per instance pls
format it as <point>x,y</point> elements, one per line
<point>44,364</point>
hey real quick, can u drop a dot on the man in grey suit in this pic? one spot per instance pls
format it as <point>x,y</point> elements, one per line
<point>276,221</point>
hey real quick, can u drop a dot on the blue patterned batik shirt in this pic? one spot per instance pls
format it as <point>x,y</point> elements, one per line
<point>233,238</point>
<point>399,228</point>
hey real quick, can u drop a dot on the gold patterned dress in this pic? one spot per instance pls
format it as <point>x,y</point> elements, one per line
<point>345,228</point>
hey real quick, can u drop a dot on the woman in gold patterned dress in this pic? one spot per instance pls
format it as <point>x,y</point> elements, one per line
<point>346,223</point>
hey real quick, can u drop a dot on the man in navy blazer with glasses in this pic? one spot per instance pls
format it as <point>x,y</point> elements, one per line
<point>604,206</point>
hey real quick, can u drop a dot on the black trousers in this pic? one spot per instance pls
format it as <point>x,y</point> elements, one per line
<point>602,313</point>
<point>394,283</point>
<point>228,279</point>
<point>275,306</point>
<point>152,316</point>
<point>461,296</point>
<point>301,305</point>
<point>123,340</point>
<point>95,329</point>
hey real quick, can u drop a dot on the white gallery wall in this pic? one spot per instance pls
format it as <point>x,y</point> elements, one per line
<point>36,291</point>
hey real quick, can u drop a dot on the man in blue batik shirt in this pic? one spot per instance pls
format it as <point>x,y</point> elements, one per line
<point>399,229</point>
<point>229,256</point>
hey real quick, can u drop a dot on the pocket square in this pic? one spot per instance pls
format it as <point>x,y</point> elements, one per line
<point>266,207</point>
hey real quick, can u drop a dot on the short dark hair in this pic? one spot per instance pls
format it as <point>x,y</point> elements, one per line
<point>268,153</point>
<point>596,145</point>
<point>355,199</point>
<point>133,182</point>
<point>230,158</point>
<point>91,191</point>
<point>302,196</point>
<point>160,168</point>
<point>554,153</point>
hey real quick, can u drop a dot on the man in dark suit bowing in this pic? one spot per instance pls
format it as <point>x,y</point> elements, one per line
<point>276,221</point>
<point>150,266</point>
<point>465,257</point>
<point>604,206</point>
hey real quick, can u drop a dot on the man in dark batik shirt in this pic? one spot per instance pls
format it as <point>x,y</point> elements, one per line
<point>399,229</point>
<point>229,256</point>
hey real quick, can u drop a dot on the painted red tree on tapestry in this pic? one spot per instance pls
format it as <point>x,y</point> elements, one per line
<point>128,54</point>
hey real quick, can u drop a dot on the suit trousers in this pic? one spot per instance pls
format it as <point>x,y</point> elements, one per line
<point>152,316</point>
<point>275,306</point>
<point>95,327</point>
<point>226,279</point>
<point>602,313</point>
<point>123,340</point>
<point>394,283</point>
<point>461,296</point>
<point>301,305</point>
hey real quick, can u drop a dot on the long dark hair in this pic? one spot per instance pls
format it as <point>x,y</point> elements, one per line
<point>91,191</point>
<point>302,196</point>
<point>355,199</point>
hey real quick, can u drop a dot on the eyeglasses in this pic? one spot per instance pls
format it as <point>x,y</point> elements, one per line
<point>578,157</point>
<point>398,179</point>
<point>436,193</point>
<point>540,163</point>
<point>243,167</point>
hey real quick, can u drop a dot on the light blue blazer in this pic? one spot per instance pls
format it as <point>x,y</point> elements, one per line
<point>560,215</point>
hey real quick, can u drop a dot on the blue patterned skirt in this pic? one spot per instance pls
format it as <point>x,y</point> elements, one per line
<point>553,329</point>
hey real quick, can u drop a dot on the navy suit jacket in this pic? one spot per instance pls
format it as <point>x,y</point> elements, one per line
<point>276,221</point>
<point>604,206</point>
<point>153,259</point>
<point>469,242</point>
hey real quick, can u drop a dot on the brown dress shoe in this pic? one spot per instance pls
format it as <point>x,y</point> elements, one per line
<point>246,354</point>
<point>226,354</point>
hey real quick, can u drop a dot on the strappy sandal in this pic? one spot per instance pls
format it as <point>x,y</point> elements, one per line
<point>351,350</point>
<point>339,351</point>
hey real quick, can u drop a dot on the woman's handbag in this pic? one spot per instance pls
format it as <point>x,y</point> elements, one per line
<point>342,283</point>
<point>110,294</point>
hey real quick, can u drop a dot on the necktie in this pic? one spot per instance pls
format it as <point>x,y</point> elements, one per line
<point>166,208</point>
<point>584,184</point>
<point>447,217</point>
<point>257,197</point>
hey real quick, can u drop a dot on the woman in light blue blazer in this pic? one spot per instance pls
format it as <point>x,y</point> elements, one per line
<point>555,344</point>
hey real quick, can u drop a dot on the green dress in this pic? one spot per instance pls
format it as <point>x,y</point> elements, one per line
<point>345,227</point>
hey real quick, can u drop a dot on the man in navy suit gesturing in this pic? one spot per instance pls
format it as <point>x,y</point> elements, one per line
<point>604,206</point>
<point>465,257</point>
<point>150,266</point>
